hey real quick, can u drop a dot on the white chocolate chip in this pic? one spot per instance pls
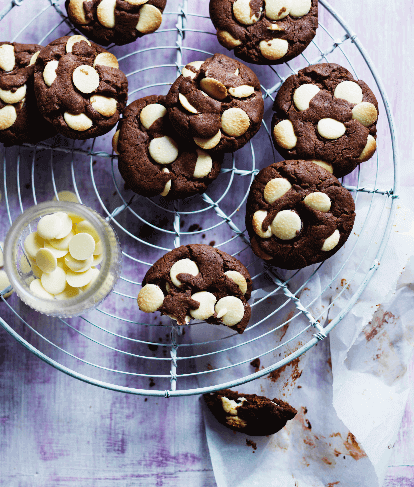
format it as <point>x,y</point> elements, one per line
<point>236,422</point>
<point>325,165</point>
<point>186,104</point>
<point>9,97</point>
<point>38,290</point>
<point>227,40</point>
<point>73,40</point>
<point>93,275</point>
<point>106,13</point>
<point>150,298</point>
<point>76,265</point>
<point>369,149</point>
<point>8,116</point>
<point>86,78</point>
<point>32,244</point>
<point>150,19</point>
<point>50,226</point>
<point>167,187</point>
<point>303,95</point>
<point>49,73</point>
<point>208,143</point>
<point>34,58</point>
<point>76,10</point>
<point>230,406</point>
<point>286,225</point>
<point>318,201</point>
<point>277,9</point>
<point>62,243</point>
<point>213,88</point>
<point>234,307</point>
<point>115,140</point>
<point>275,189</point>
<point>81,246</point>
<point>331,242</point>
<point>57,253</point>
<point>66,225</point>
<point>80,279</point>
<point>206,309</point>
<point>80,122</point>
<point>187,73</point>
<point>68,293</point>
<point>55,281</point>
<point>239,279</point>
<point>86,227</point>
<point>275,27</point>
<point>136,2</point>
<point>151,113</point>
<point>106,59</point>
<point>36,271</point>
<point>284,134</point>
<point>4,284</point>
<point>330,128</point>
<point>349,91</point>
<point>300,8</point>
<point>104,105</point>
<point>243,13</point>
<point>45,260</point>
<point>274,49</point>
<point>163,150</point>
<point>242,91</point>
<point>204,164</point>
<point>257,221</point>
<point>98,248</point>
<point>187,319</point>
<point>183,266</point>
<point>67,196</point>
<point>7,59</point>
<point>221,313</point>
<point>235,122</point>
<point>365,113</point>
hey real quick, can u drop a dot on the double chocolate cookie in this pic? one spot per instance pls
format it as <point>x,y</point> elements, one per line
<point>217,103</point>
<point>154,159</point>
<point>118,21</point>
<point>323,113</point>
<point>248,413</point>
<point>298,214</point>
<point>79,87</point>
<point>20,120</point>
<point>201,282</point>
<point>265,31</point>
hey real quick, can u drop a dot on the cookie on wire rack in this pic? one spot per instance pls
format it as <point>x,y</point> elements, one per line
<point>154,159</point>
<point>115,21</point>
<point>265,31</point>
<point>79,87</point>
<point>20,120</point>
<point>323,113</point>
<point>298,214</point>
<point>199,282</point>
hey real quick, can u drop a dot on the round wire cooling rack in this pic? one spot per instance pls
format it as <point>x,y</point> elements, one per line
<point>118,347</point>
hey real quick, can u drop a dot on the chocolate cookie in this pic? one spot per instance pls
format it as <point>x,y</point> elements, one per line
<point>201,282</point>
<point>154,159</point>
<point>118,21</point>
<point>217,103</point>
<point>298,214</point>
<point>265,31</point>
<point>323,113</point>
<point>248,413</point>
<point>20,120</point>
<point>79,87</point>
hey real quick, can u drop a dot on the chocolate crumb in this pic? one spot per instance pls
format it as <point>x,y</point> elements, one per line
<point>251,443</point>
<point>256,363</point>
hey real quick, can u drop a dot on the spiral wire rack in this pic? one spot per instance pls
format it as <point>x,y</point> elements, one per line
<point>126,351</point>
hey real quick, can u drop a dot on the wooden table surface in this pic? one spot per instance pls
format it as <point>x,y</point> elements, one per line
<point>56,431</point>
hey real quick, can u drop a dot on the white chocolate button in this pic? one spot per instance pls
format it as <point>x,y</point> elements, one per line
<point>33,243</point>
<point>286,225</point>
<point>235,122</point>
<point>97,259</point>
<point>163,150</point>
<point>183,266</point>
<point>73,40</point>
<point>8,116</point>
<point>106,59</point>
<point>325,165</point>
<point>98,247</point>
<point>86,227</point>
<point>54,282</point>
<point>136,2</point>
<point>318,201</point>
<point>115,140</point>
<point>150,19</point>
<point>46,261</point>
<point>349,91</point>
<point>330,128</point>
<point>167,186</point>
<point>257,221</point>
<point>150,298</point>
<point>230,406</point>
<point>151,113</point>
<point>104,105</point>
<point>79,122</point>
<point>234,307</point>
<point>9,97</point>
<point>76,10</point>
<point>50,226</point>
<point>106,13</point>
<point>204,164</point>
<point>67,196</point>
<point>277,9</point>
<point>38,290</point>
<point>79,279</point>
<point>68,293</point>
<point>36,270</point>
<point>303,95</point>
<point>208,143</point>
<point>63,243</point>
<point>76,265</point>
<point>5,283</point>
<point>243,13</point>
<point>365,113</point>
<point>57,253</point>
<point>49,73</point>
<point>186,104</point>
<point>7,59</point>
<point>369,149</point>
<point>213,88</point>
<point>81,246</point>
<point>66,225</point>
<point>275,27</point>
<point>274,49</point>
<point>242,91</point>
<point>187,73</point>
<point>331,242</point>
<point>206,309</point>
<point>285,134</point>
<point>275,189</point>
<point>86,78</point>
<point>94,273</point>
<point>25,264</point>
<point>33,59</point>
<point>239,279</point>
<point>227,40</point>
<point>300,8</point>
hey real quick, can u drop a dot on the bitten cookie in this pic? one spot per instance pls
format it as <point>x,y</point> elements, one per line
<point>217,103</point>
<point>154,159</point>
<point>20,120</point>
<point>248,413</point>
<point>79,87</point>
<point>298,214</point>
<point>265,31</point>
<point>118,21</point>
<point>201,282</point>
<point>323,113</point>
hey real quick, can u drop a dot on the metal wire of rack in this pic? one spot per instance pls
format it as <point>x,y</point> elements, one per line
<point>112,348</point>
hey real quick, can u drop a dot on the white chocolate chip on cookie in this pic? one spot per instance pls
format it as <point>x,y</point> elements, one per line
<point>150,19</point>
<point>330,128</point>
<point>167,186</point>
<point>183,266</point>
<point>76,10</point>
<point>163,150</point>
<point>206,309</point>
<point>104,105</point>
<point>325,165</point>
<point>78,122</point>
<point>303,95</point>
<point>208,143</point>
<point>49,73</point>
<point>277,9</point>
<point>106,13</point>
<point>286,225</point>
<point>150,298</point>
<point>331,242</point>
<point>213,88</point>
<point>85,78</point>
<point>234,310</point>
<point>106,59</point>
<point>239,279</point>
<point>258,219</point>
<point>243,12</point>
<point>9,97</point>
<point>204,164</point>
<point>187,73</point>
<point>73,40</point>
<point>284,134</point>
<point>349,91</point>
<point>8,116</point>
<point>7,59</point>
<point>34,58</point>
<point>136,2</point>
<point>227,40</point>
<point>242,91</point>
<point>300,8</point>
<point>274,49</point>
<point>186,104</point>
<point>275,189</point>
<point>235,122</point>
<point>318,201</point>
<point>369,149</point>
<point>365,113</point>
<point>150,113</point>
<point>230,406</point>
